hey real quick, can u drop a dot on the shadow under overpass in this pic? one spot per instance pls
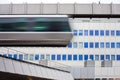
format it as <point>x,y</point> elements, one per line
<point>11,76</point>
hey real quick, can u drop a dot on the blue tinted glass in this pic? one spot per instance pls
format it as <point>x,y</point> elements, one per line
<point>108,57</point>
<point>91,57</point>
<point>118,44</point>
<point>69,57</point>
<point>75,57</point>
<point>15,56</point>
<point>112,32</point>
<point>75,32</point>
<point>21,56</point>
<point>80,32</point>
<point>31,57</point>
<point>25,56</point>
<point>102,32</point>
<point>96,33</point>
<point>70,45</point>
<point>102,45</point>
<point>47,56</point>
<point>42,56</point>
<point>80,57</point>
<point>63,57</point>
<point>4,54</point>
<point>107,45</point>
<point>58,57</point>
<point>112,45</point>
<point>96,57</point>
<point>10,55</point>
<point>85,32</point>
<point>118,57</point>
<point>80,44</point>
<point>85,44</point>
<point>91,45</point>
<point>107,32</point>
<point>53,57</point>
<point>117,33</point>
<point>91,32</point>
<point>36,56</point>
<point>85,57</point>
<point>112,57</point>
<point>75,44</point>
<point>101,57</point>
<point>96,45</point>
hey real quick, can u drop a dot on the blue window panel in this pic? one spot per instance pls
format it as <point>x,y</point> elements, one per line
<point>91,45</point>
<point>70,45</point>
<point>112,57</point>
<point>37,57</point>
<point>112,45</point>
<point>20,56</point>
<point>96,33</point>
<point>101,57</point>
<point>80,32</point>
<point>47,56</point>
<point>117,32</point>
<point>107,32</point>
<point>101,32</point>
<point>118,44</point>
<point>112,33</point>
<point>15,56</point>
<point>69,57</point>
<point>75,32</point>
<point>85,44</point>
<point>31,57</point>
<point>96,45</point>
<point>107,45</point>
<point>85,57</point>
<point>42,56</point>
<point>80,57</point>
<point>53,57</point>
<point>25,56</point>
<point>75,57</point>
<point>102,45</point>
<point>118,57</point>
<point>91,32</point>
<point>4,54</point>
<point>96,57</point>
<point>91,57</point>
<point>75,45</point>
<point>63,57</point>
<point>80,44</point>
<point>58,57</point>
<point>107,57</point>
<point>85,32</point>
<point>10,55</point>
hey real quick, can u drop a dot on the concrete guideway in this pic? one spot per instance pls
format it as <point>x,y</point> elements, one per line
<point>64,9</point>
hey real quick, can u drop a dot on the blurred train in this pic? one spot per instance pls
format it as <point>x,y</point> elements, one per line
<point>34,30</point>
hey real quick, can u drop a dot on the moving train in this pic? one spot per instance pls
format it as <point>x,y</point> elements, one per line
<point>34,30</point>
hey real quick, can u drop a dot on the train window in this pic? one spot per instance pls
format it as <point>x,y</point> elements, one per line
<point>34,24</point>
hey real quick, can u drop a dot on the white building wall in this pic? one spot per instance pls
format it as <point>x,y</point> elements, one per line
<point>77,66</point>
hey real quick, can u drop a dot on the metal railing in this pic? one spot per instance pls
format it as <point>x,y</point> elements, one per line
<point>45,62</point>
